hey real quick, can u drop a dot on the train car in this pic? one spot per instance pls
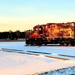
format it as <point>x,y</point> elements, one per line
<point>52,33</point>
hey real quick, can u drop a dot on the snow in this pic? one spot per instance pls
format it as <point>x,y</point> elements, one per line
<point>13,63</point>
<point>55,50</point>
<point>65,71</point>
<point>50,49</point>
<point>19,64</point>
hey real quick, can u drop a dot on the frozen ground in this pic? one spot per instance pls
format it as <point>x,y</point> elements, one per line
<point>23,64</point>
<point>50,49</point>
<point>55,50</point>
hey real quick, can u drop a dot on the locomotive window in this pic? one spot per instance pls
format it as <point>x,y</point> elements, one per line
<point>36,29</point>
<point>39,28</point>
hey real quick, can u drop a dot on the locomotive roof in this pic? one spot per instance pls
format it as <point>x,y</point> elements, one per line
<point>61,24</point>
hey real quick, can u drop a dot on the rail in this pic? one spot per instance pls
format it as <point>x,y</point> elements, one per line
<point>44,54</point>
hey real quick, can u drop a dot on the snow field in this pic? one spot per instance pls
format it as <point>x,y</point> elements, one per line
<point>13,63</point>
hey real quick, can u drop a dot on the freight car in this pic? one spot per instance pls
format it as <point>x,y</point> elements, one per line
<point>52,33</point>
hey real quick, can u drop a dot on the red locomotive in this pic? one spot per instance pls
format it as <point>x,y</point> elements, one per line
<point>52,33</point>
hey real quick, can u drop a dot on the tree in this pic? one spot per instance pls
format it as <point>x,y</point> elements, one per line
<point>17,34</point>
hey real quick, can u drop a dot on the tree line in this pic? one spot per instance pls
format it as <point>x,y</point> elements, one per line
<point>10,35</point>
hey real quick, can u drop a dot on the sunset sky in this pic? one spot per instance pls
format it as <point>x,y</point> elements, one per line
<point>24,14</point>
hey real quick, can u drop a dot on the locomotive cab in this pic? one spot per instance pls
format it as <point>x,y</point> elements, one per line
<point>35,37</point>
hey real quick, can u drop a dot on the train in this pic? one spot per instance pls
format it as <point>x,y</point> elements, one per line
<point>62,34</point>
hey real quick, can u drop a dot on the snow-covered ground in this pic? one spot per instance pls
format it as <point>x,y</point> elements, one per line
<point>55,50</point>
<point>22,64</point>
<point>50,49</point>
<point>12,63</point>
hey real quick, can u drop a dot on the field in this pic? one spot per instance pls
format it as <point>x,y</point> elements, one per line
<point>18,59</point>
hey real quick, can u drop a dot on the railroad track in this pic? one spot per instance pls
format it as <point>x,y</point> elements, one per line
<point>44,54</point>
<point>52,54</point>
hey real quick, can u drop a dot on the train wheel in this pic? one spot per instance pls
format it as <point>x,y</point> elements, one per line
<point>27,42</point>
<point>32,42</point>
<point>70,42</point>
<point>63,43</point>
<point>45,44</point>
<point>39,42</point>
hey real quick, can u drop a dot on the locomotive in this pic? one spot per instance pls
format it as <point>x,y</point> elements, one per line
<point>52,33</point>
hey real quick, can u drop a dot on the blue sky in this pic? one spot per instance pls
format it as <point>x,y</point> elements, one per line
<point>24,14</point>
